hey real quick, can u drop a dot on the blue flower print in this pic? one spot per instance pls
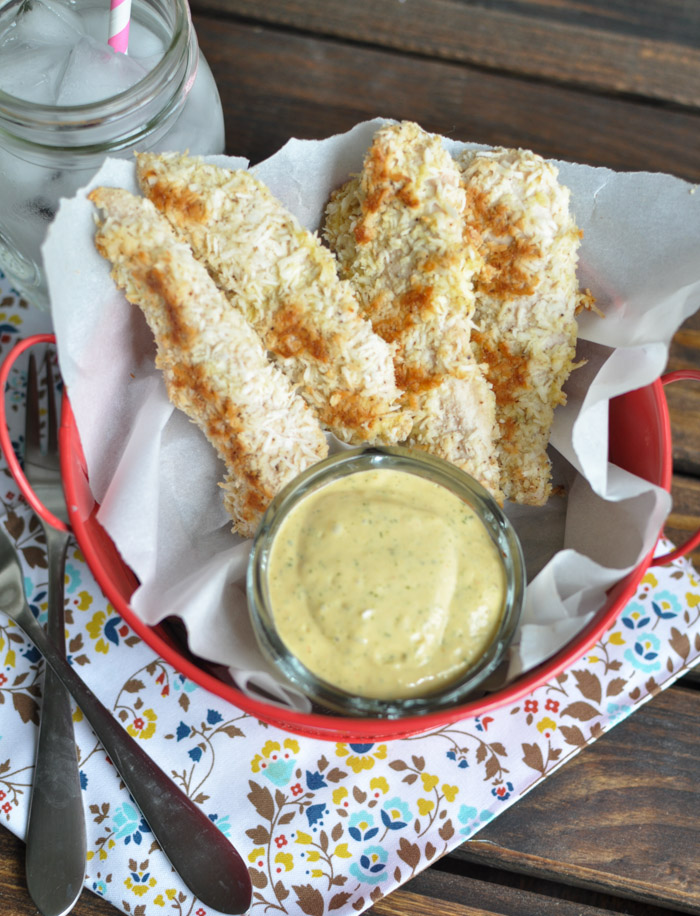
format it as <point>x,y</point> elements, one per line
<point>99,887</point>
<point>214,717</point>
<point>635,616</point>
<point>461,762</point>
<point>503,791</point>
<point>83,780</point>
<point>371,866</point>
<point>128,824</point>
<point>180,682</point>
<point>315,780</point>
<point>361,826</point>
<point>314,814</point>
<point>74,578</point>
<point>644,654</point>
<point>666,605</point>
<point>472,819</point>
<point>35,597</point>
<point>395,814</point>
<point>183,731</point>
<point>617,712</point>
<point>222,823</point>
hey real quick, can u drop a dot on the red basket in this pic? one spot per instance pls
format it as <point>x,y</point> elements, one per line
<point>640,442</point>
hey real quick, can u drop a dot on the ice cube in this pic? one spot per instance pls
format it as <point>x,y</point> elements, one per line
<point>47,22</point>
<point>144,44</point>
<point>94,71</point>
<point>32,72</point>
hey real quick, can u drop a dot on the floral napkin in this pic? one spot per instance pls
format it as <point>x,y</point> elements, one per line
<point>325,827</point>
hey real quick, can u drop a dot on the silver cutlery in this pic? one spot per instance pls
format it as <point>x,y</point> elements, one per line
<point>56,841</point>
<point>206,861</point>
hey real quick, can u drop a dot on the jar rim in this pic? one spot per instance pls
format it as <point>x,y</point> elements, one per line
<point>20,117</point>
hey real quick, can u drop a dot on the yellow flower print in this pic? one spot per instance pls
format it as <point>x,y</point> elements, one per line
<point>140,883</point>
<point>144,725</point>
<point>425,805</point>
<point>361,756</point>
<point>94,628</point>
<point>650,579</point>
<point>255,855</point>
<point>450,792</point>
<point>339,795</point>
<point>692,600</point>
<point>284,860</point>
<point>313,855</point>
<point>429,782</point>
<point>546,725</point>
<point>84,600</point>
<point>273,750</point>
<point>616,639</point>
<point>379,784</point>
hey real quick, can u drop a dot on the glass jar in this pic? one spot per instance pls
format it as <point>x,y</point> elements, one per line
<point>50,151</point>
<point>321,641</point>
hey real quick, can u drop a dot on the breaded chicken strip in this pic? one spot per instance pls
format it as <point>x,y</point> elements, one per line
<point>214,364</point>
<point>285,283</point>
<point>526,296</point>
<point>397,231</point>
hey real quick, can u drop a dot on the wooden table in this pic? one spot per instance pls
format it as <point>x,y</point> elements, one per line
<point>608,82</point>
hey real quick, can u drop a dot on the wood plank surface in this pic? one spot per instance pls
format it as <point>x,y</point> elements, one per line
<point>606,82</point>
<point>561,43</point>
<point>276,84</point>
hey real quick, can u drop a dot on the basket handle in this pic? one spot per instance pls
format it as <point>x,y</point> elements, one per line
<point>5,440</point>
<point>694,540</point>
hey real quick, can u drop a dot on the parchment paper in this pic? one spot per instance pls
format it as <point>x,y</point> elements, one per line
<point>156,476</point>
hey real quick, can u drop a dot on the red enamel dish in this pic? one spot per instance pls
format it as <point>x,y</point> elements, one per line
<point>640,442</point>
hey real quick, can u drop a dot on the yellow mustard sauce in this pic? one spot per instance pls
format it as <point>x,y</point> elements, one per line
<point>385,584</point>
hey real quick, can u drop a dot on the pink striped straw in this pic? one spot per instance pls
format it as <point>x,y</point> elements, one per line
<point>119,19</point>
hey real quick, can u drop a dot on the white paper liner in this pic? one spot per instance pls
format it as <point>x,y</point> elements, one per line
<point>155,475</point>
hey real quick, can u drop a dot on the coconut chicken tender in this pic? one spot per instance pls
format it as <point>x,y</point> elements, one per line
<point>285,283</point>
<point>397,231</point>
<point>213,362</point>
<point>527,293</point>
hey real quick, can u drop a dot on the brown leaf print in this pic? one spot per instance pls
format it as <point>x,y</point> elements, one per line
<point>27,707</point>
<point>680,643</point>
<point>447,831</point>
<point>532,757</point>
<point>573,735</point>
<point>258,878</point>
<point>259,835</point>
<point>309,899</point>
<point>339,900</point>
<point>615,687</point>
<point>409,853</point>
<point>588,685</point>
<point>261,799</point>
<point>35,557</point>
<point>581,711</point>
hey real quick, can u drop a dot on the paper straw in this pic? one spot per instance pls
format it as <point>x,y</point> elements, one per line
<point>119,19</point>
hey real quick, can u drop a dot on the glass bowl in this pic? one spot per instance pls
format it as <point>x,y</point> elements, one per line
<point>348,622</point>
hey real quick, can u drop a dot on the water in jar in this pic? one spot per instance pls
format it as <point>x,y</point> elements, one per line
<point>54,53</point>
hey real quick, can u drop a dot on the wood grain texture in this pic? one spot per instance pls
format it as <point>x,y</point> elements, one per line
<point>538,43</point>
<point>476,889</point>
<point>631,803</point>
<point>276,85</point>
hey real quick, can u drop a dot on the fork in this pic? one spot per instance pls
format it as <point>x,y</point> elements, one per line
<point>205,860</point>
<point>56,841</point>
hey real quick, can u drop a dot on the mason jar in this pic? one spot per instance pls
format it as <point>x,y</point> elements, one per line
<point>49,151</point>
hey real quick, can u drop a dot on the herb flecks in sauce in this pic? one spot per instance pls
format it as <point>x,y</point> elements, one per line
<point>385,584</point>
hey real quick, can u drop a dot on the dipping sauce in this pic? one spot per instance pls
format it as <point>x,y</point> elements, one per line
<point>385,584</point>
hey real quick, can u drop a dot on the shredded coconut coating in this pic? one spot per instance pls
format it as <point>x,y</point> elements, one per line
<point>214,364</point>
<point>397,231</point>
<point>286,284</point>
<point>527,294</point>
